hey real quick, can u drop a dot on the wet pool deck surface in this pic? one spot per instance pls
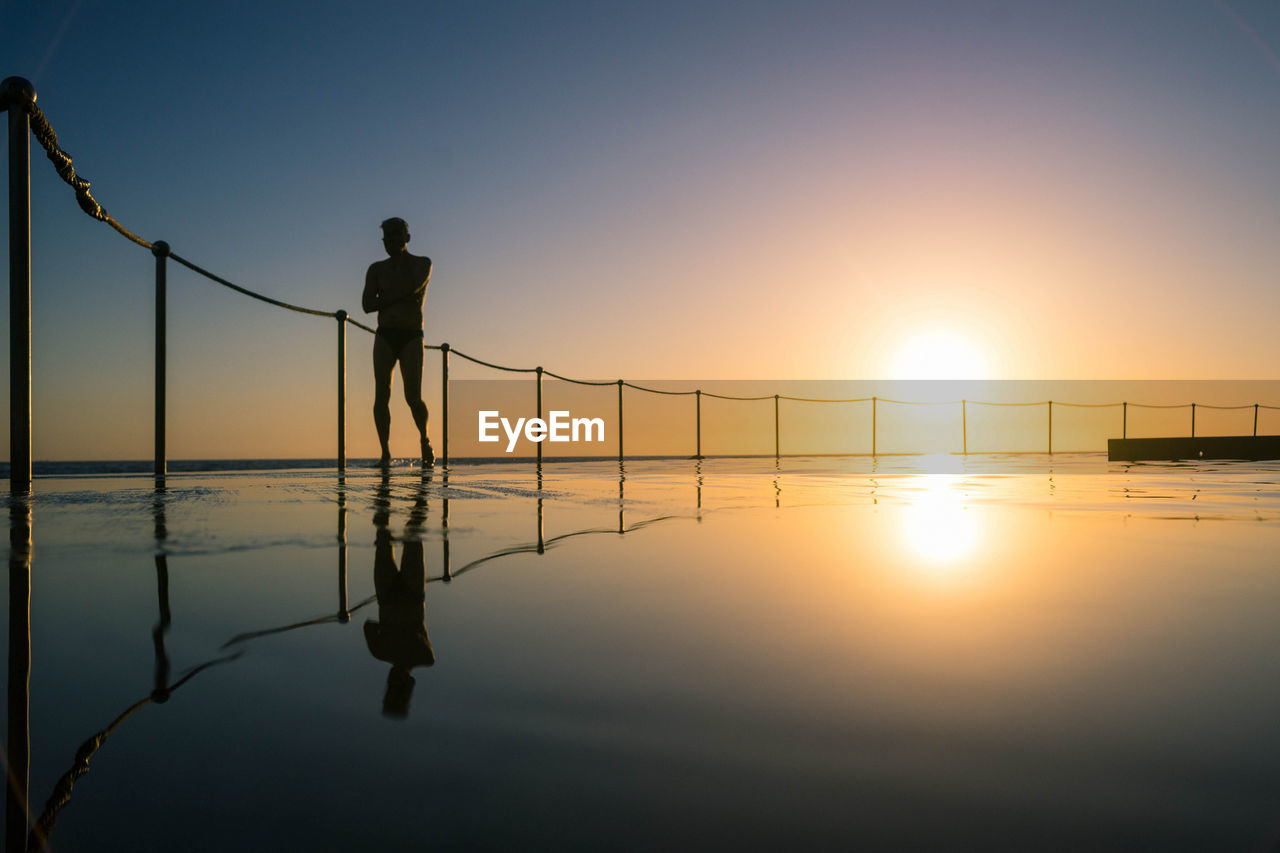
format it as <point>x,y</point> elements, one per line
<point>1033,652</point>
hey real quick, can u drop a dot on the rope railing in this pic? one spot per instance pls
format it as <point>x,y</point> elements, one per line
<point>247,292</point>
<point>17,96</point>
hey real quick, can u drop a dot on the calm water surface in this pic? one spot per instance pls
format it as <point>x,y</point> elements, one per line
<point>997,652</point>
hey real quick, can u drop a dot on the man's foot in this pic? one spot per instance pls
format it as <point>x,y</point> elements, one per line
<point>428,455</point>
<point>384,461</point>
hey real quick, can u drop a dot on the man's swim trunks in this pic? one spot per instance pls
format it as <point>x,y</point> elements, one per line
<point>398,338</point>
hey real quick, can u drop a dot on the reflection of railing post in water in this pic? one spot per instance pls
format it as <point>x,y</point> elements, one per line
<point>344,609</point>
<point>697,395</point>
<point>1051,426</point>
<point>161,692</point>
<point>17,95</point>
<point>619,420</point>
<point>160,530</point>
<point>964,427</point>
<point>341,317</point>
<point>542,546</point>
<point>18,742</point>
<point>622,479</point>
<point>446,571</point>
<point>444,404</point>
<point>161,250</point>
<point>538,444</point>
<point>874,401</point>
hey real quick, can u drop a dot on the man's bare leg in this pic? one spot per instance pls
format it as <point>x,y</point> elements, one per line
<point>411,377</point>
<point>384,361</point>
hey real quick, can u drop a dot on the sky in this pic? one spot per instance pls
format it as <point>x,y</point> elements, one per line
<point>654,190</point>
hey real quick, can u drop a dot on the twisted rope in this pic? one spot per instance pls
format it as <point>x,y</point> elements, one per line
<point>728,397</point>
<point>247,292</point>
<point>824,400</point>
<point>921,402</point>
<point>577,381</point>
<point>1088,405</point>
<point>657,390</point>
<point>61,160</point>
<point>494,366</point>
<point>980,403</point>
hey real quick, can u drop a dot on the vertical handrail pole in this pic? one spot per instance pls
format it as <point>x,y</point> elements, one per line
<point>619,420</point>
<point>161,250</point>
<point>444,404</point>
<point>1255,419</point>
<point>874,401</point>
<point>964,426</point>
<point>777,433</point>
<point>538,444</point>
<point>697,451</point>
<point>1193,420</point>
<point>1124,423</point>
<point>1051,426</point>
<point>17,96</point>
<point>341,317</point>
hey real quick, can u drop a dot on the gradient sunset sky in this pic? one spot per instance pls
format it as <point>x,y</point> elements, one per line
<point>650,190</point>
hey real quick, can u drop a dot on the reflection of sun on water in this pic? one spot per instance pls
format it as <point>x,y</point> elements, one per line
<point>937,527</point>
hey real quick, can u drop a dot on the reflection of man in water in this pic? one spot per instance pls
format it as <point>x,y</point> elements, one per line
<point>399,636</point>
<point>395,289</point>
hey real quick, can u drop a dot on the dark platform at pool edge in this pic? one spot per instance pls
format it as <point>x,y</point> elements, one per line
<point>1251,447</point>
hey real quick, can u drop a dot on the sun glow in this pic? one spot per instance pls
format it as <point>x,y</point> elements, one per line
<point>939,355</point>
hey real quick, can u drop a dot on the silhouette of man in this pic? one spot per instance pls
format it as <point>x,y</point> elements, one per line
<point>395,289</point>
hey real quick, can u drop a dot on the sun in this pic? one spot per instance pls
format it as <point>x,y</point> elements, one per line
<point>939,355</point>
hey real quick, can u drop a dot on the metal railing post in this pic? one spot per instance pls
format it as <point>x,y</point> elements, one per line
<point>1193,420</point>
<point>538,444</point>
<point>1051,426</point>
<point>874,401</point>
<point>697,396</point>
<point>161,250</point>
<point>619,420</point>
<point>444,405</point>
<point>777,432</point>
<point>1255,419</point>
<point>17,95</point>
<point>964,427</point>
<point>1124,423</point>
<point>341,317</point>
